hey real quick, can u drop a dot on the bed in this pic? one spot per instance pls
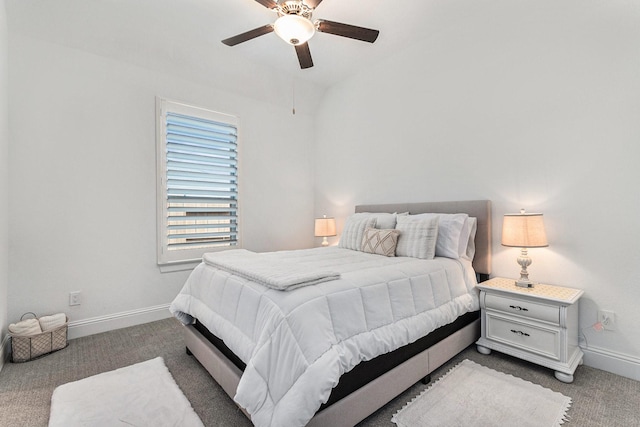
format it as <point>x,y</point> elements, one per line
<point>320,354</point>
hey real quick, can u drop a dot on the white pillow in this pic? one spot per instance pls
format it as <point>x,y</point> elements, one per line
<point>464,237</point>
<point>450,227</point>
<point>353,231</point>
<point>418,236</point>
<point>384,221</point>
<point>470,249</point>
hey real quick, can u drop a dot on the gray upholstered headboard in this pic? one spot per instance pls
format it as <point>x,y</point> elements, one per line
<point>480,209</point>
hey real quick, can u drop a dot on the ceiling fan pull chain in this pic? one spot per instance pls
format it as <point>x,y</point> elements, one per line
<point>293,90</point>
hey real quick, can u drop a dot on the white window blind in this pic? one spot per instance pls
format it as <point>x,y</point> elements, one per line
<point>199,185</point>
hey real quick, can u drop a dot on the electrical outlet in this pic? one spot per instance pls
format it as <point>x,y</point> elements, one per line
<point>74,298</point>
<point>608,319</point>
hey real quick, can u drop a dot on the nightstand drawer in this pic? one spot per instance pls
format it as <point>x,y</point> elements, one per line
<point>532,310</point>
<point>526,336</point>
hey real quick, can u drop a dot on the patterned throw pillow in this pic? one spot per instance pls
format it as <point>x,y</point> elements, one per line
<point>380,242</point>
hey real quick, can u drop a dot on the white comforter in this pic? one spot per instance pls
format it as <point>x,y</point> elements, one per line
<point>297,344</point>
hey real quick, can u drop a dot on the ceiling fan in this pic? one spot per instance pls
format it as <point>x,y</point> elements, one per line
<point>295,27</point>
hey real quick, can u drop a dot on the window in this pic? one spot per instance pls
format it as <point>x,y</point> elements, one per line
<point>197,182</point>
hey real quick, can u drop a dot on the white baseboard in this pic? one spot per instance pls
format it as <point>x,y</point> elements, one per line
<point>96,325</point>
<point>616,363</point>
<point>599,358</point>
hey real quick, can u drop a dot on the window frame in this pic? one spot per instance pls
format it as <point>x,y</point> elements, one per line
<point>164,255</point>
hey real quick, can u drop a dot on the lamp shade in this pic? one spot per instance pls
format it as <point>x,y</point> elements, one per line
<point>524,230</point>
<point>325,227</point>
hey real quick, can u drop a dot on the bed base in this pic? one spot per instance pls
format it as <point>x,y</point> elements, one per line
<point>363,402</point>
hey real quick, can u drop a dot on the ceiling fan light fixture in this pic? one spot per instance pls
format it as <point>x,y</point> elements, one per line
<point>294,29</point>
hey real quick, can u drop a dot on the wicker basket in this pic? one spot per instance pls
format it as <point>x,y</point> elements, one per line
<point>28,347</point>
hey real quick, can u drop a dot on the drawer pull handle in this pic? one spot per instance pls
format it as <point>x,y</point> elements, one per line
<point>517,307</point>
<point>522,334</point>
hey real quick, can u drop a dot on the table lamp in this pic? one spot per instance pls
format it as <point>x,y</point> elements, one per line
<point>524,230</point>
<point>325,227</point>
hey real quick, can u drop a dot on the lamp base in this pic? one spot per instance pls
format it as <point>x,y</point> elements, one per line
<point>524,262</point>
<point>325,242</point>
<point>524,283</point>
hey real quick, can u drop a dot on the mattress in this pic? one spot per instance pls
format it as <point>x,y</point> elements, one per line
<point>297,344</point>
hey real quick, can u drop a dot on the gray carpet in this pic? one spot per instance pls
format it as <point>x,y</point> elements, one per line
<point>599,398</point>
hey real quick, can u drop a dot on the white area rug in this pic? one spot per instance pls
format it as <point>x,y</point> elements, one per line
<point>144,394</point>
<point>474,395</point>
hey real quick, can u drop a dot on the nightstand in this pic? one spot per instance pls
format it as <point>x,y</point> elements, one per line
<point>538,324</point>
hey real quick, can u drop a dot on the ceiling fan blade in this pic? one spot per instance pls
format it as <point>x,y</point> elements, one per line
<point>346,30</point>
<point>304,55</point>
<point>269,4</point>
<point>312,3</point>
<point>251,34</point>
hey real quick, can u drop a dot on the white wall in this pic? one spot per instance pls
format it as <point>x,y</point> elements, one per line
<point>530,104</point>
<point>83,177</point>
<point>4,183</point>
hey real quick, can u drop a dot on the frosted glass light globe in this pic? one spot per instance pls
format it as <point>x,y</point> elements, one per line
<point>294,29</point>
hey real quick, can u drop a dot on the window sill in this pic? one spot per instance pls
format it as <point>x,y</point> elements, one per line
<point>179,266</point>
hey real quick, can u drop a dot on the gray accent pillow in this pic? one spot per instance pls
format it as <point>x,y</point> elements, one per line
<point>353,231</point>
<point>380,242</point>
<point>418,236</point>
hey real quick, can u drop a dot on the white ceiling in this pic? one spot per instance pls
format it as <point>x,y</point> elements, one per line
<point>167,30</point>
